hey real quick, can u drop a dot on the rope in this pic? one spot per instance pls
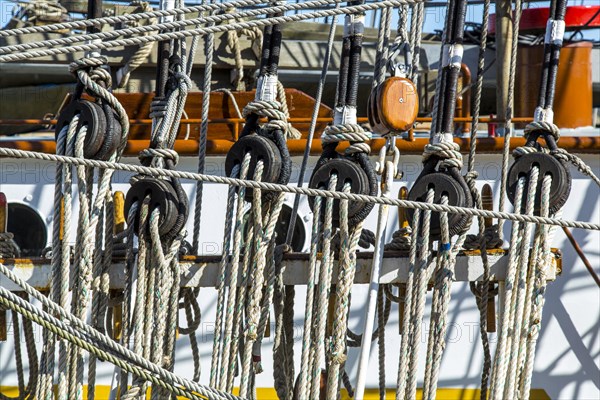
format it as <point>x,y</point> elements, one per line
<point>8,247</point>
<point>209,43</point>
<point>199,31</point>
<point>77,330</point>
<point>283,345</point>
<point>421,278</point>
<point>443,276</point>
<point>14,153</point>
<point>142,53</point>
<point>233,42</point>
<point>508,124</point>
<point>317,358</point>
<point>478,85</point>
<point>408,300</point>
<point>349,238</point>
<point>312,127</point>
<point>307,349</point>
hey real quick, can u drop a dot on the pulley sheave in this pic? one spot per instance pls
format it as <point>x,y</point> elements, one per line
<point>548,165</point>
<point>443,183</point>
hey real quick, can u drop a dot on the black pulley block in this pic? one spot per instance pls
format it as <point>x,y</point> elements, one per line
<point>162,195</point>
<point>346,171</point>
<point>443,184</point>
<point>548,165</point>
<point>260,148</point>
<point>102,136</point>
<point>90,114</point>
<point>112,136</point>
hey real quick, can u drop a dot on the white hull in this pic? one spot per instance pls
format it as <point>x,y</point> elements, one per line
<point>567,365</point>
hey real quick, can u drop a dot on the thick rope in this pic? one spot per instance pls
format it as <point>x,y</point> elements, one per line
<point>14,153</point>
<point>78,329</point>
<point>142,53</point>
<point>349,237</point>
<point>362,8</point>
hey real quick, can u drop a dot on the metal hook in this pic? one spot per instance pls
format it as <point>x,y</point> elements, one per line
<point>389,149</point>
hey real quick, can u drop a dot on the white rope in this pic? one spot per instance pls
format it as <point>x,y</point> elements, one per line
<point>201,31</point>
<point>81,329</point>
<point>349,237</point>
<point>14,153</point>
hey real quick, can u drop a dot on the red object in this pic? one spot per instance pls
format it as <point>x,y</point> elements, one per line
<point>491,128</point>
<point>535,19</point>
<point>3,201</point>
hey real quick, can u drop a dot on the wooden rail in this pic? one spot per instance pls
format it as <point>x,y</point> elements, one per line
<point>202,271</point>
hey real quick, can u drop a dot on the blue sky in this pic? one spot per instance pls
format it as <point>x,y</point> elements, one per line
<point>434,18</point>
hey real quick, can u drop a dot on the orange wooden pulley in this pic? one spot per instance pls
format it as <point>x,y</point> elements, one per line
<point>393,105</point>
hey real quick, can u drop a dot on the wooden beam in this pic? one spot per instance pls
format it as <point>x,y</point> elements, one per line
<point>202,271</point>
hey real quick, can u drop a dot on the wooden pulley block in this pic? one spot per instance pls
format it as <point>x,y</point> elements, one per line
<point>373,115</point>
<point>393,105</point>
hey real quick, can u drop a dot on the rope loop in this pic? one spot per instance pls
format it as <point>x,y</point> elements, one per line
<point>158,108</point>
<point>354,133</point>
<point>447,152</point>
<point>86,64</point>
<point>542,127</point>
<point>153,154</point>
<point>8,247</point>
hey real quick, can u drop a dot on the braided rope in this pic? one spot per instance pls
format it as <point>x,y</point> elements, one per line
<point>500,360</point>
<point>422,275</point>
<point>517,308</point>
<point>405,345</point>
<point>142,53</point>
<point>215,376</point>
<point>14,153</point>
<point>113,20</point>
<point>508,123</point>
<point>209,43</point>
<point>232,298</point>
<point>145,29</point>
<point>74,336</point>
<point>447,152</point>
<point>322,298</point>
<point>81,329</point>
<point>202,31</point>
<point>307,349</point>
<point>537,298</point>
<point>349,237</point>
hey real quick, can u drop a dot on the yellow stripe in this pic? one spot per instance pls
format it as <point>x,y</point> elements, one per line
<point>102,393</point>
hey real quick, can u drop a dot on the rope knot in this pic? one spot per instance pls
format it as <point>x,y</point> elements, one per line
<point>90,73</point>
<point>155,154</point>
<point>252,333</point>
<point>101,77</point>
<point>87,63</point>
<point>338,356</point>
<point>8,247</point>
<point>353,133</point>
<point>158,108</point>
<point>544,126</point>
<point>447,152</point>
